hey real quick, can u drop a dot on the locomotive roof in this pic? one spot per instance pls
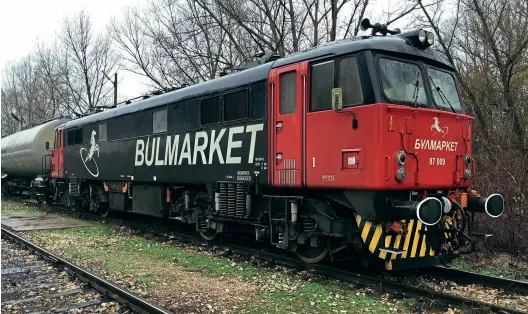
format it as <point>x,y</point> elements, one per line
<point>394,44</point>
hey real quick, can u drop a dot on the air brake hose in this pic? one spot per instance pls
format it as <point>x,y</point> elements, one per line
<point>464,216</point>
<point>465,223</point>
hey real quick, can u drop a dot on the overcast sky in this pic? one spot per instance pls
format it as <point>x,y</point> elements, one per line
<point>22,22</point>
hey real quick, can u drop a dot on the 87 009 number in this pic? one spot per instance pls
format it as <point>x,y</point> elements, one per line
<point>438,161</point>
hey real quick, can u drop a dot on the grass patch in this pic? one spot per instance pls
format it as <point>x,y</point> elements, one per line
<point>9,208</point>
<point>518,271</point>
<point>322,297</point>
<point>203,280</point>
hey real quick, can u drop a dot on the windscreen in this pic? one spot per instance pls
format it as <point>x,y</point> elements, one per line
<point>444,89</point>
<point>402,81</point>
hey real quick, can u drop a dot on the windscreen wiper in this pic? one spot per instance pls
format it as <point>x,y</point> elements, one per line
<point>441,93</point>
<point>416,89</point>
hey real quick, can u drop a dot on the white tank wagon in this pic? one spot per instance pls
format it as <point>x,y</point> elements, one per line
<point>22,152</point>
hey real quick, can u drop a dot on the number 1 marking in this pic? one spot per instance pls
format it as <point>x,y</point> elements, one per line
<point>313,162</point>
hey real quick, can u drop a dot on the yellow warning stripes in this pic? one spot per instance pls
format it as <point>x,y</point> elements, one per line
<point>413,244</point>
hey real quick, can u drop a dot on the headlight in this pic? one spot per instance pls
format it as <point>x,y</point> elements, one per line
<point>421,36</point>
<point>401,173</point>
<point>430,39</point>
<point>467,173</point>
<point>401,158</point>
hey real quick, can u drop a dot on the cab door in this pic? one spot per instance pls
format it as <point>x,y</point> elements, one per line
<point>61,153</point>
<point>57,155</point>
<point>286,86</point>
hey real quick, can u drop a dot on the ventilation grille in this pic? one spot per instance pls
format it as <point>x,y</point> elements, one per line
<point>232,200</point>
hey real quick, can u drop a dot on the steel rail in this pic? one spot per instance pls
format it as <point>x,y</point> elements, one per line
<point>383,284</point>
<point>115,292</point>
<point>486,280</point>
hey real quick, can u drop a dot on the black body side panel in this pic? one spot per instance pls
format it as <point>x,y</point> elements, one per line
<point>203,156</point>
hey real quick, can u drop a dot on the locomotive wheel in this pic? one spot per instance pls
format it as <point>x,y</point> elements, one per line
<point>209,235</point>
<point>310,254</point>
<point>104,211</point>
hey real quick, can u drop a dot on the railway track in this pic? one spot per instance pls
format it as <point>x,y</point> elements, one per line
<point>476,278</point>
<point>32,285</point>
<point>430,296</point>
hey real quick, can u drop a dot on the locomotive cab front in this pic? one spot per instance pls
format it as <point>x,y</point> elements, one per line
<point>382,132</point>
<point>419,155</point>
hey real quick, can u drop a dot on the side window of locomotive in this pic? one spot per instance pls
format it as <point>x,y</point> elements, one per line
<point>287,90</point>
<point>322,82</point>
<point>236,105</point>
<point>75,137</point>
<point>159,121</point>
<point>102,132</point>
<point>210,111</point>
<point>184,115</point>
<point>71,138</point>
<point>349,82</point>
<point>79,136</point>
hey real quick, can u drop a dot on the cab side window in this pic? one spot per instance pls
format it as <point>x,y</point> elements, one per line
<point>288,92</point>
<point>341,73</point>
<point>322,82</point>
<point>350,82</point>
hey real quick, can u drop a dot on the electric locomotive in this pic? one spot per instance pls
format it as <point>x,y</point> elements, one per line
<point>359,147</point>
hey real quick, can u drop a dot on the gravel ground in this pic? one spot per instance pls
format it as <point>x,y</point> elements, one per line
<point>30,284</point>
<point>482,293</point>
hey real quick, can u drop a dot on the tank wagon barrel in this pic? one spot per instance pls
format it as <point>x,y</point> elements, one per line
<point>26,155</point>
<point>22,152</point>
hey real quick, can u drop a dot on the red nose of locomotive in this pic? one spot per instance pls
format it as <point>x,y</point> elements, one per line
<point>427,149</point>
<point>422,159</point>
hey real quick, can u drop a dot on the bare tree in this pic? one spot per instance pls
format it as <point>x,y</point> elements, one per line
<point>185,42</point>
<point>83,60</point>
<point>23,96</point>
<point>487,41</point>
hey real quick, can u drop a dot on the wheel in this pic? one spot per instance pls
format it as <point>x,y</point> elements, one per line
<point>104,211</point>
<point>209,235</point>
<point>310,254</point>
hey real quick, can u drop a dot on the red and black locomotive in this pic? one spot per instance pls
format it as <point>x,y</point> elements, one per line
<point>356,147</point>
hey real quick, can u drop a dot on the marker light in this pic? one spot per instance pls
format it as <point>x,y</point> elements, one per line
<point>401,173</point>
<point>467,159</point>
<point>467,173</point>
<point>401,158</point>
